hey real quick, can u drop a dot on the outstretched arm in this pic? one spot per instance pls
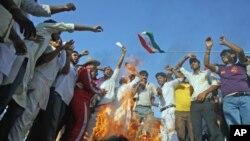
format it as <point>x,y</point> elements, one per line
<point>209,44</point>
<point>43,10</point>
<point>70,27</point>
<point>119,63</point>
<point>236,48</point>
<point>83,53</point>
<point>87,28</point>
<point>62,8</point>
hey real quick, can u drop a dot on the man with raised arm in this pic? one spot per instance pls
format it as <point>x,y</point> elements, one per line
<point>234,81</point>
<point>201,107</point>
<point>108,84</point>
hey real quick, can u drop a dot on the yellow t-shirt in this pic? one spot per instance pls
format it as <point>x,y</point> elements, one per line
<point>183,97</point>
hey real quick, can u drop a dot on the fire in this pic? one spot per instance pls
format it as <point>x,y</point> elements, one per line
<point>119,119</point>
<point>124,123</point>
<point>130,68</point>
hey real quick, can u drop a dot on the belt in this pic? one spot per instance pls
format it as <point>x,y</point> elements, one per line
<point>205,100</point>
<point>166,107</point>
<point>245,93</point>
<point>143,105</point>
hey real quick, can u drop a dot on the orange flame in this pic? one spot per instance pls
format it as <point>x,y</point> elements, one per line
<point>113,120</point>
<point>130,68</point>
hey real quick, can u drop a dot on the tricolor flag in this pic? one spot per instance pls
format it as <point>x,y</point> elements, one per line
<point>148,42</point>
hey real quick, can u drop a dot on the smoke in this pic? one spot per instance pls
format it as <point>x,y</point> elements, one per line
<point>132,60</point>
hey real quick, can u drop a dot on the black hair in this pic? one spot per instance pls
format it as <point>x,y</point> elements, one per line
<point>108,67</point>
<point>227,51</point>
<point>161,74</point>
<point>143,72</point>
<point>230,51</point>
<point>50,21</point>
<point>55,36</point>
<point>191,60</point>
<point>74,51</point>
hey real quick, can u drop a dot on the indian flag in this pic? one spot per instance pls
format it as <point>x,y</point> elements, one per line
<point>148,42</point>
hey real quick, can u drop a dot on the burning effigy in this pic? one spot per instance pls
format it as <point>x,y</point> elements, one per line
<point>126,124</point>
<point>118,118</point>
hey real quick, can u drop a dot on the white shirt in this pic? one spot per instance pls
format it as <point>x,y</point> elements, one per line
<point>50,70</point>
<point>247,64</point>
<point>47,73</point>
<point>144,96</point>
<point>167,98</point>
<point>29,6</point>
<point>35,9</point>
<point>65,84</point>
<point>7,57</point>
<point>248,70</point>
<point>200,82</point>
<point>125,87</point>
<point>35,50</point>
<point>109,85</point>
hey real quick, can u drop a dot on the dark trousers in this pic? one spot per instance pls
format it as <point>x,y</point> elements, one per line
<point>220,116</point>
<point>183,126</point>
<point>7,91</point>
<point>13,112</point>
<point>66,121</point>
<point>204,110</point>
<point>45,126</point>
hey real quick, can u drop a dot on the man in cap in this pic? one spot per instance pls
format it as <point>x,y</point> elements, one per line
<point>80,102</point>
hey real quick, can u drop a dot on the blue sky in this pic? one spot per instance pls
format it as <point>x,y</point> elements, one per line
<point>178,26</point>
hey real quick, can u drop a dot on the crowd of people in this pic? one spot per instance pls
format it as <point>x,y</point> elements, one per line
<point>44,91</point>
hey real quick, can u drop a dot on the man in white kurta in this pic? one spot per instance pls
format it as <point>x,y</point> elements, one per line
<point>34,51</point>
<point>7,51</point>
<point>7,56</point>
<point>57,108</point>
<point>9,61</point>
<point>38,93</point>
